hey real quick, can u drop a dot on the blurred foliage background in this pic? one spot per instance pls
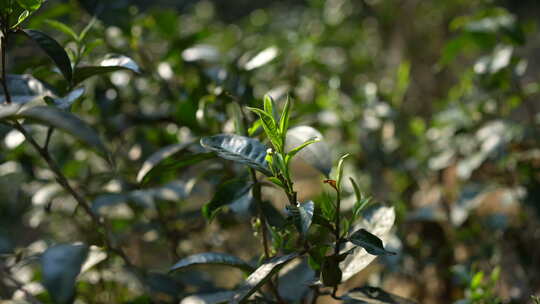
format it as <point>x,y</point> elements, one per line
<point>437,101</point>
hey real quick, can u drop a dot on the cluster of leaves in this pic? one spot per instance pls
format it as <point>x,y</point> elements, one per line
<point>451,139</point>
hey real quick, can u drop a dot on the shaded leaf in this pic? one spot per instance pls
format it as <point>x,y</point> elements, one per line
<point>317,155</point>
<point>158,156</point>
<point>54,50</point>
<point>23,89</point>
<point>371,243</point>
<point>65,121</point>
<point>228,193</point>
<point>62,28</point>
<point>61,265</point>
<point>260,276</point>
<point>377,219</point>
<point>244,150</point>
<point>373,295</point>
<point>111,63</point>
<point>213,259</point>
<point>302,216</point>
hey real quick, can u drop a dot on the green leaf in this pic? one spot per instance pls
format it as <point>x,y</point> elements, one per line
<point>30,5</point>
<point>211,258</point>
<point>270,128</point>
<point>277,181</point>
<point>361,201</point>
<point>227,194</point>
<point>370,242</point>
<point>295,150</point>
<point>24,88</point>
<point>317,255</point>
<point>285,117</point>
<point>340,171</point>
<point>61,265</point>
<point>373,295</point>
<point>159,156</point>
<point>57,25</point>
<point>302,215</point>
<point>331,274</point>
<point>244,150</point>
<point>269,106</point>
<point>317,155</point>
<point>65,121</point>
<point>23,16</point>
<point>54,50</point>
<point>111,63</point>
<point>260,276</point>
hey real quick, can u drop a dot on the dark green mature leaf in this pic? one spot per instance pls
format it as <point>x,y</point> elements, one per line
<point>64,121</point>
<point>8,110</point>
<point>260,276</point>
<point>317,154</point>
<point>23,89</point>
<point>111,63</point>
<point>377,219</point>
<point>370,242</point>
<point>158,156</point>
<point>373,295</point>
<point>302,216</point>
<point>244,150</point>
<point>54,50</point>
<point>212,258</point>
<point>30,5</point>
<point>61,265</point>
<point>227,193</point>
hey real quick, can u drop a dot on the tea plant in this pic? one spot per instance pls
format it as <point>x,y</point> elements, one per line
<point>326,247</point>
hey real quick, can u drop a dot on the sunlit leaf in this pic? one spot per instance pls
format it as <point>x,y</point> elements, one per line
<point>61,265</point>
<point>339,172</point>
<point>212,258</point>
<point>54,50</point>
<point>262,58</point>
<point>317,155</point>
<point>260,276</point>
<point>244,150</point>
<point>111,63</point>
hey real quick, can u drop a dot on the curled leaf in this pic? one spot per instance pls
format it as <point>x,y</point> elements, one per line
<point>317,154</point>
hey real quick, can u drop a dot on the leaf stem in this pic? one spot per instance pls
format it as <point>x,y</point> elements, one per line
<point>337,234</point>
<point>3,42</point>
